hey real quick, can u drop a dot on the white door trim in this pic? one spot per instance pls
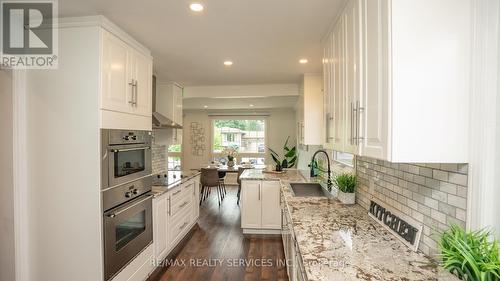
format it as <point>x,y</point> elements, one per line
<point>484,142</point>
<point>20,167</point>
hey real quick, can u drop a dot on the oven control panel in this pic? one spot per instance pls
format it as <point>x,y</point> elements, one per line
<point>123,193</point>
<point>121,137</point>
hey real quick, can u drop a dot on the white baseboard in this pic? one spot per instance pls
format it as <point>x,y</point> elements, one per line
<point>261,231</point>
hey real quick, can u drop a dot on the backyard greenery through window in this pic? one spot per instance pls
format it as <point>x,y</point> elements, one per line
<point>247,136</point>
<point>174,157</point>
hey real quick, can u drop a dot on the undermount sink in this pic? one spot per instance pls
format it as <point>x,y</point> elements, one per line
<point>308,190</point>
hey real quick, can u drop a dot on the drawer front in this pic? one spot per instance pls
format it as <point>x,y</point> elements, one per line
<point>180,225</point>
<point>180,204</point>
<point>177,193</point>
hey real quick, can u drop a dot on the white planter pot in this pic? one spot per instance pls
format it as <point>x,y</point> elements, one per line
<point>335,191</point>
<point>346,198</point>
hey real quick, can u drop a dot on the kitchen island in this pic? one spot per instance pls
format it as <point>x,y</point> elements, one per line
<point>332,241</point>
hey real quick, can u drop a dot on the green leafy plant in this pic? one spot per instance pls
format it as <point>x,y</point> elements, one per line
<point>471,256</point>
<point>289,156</point>
<point>346,182</point>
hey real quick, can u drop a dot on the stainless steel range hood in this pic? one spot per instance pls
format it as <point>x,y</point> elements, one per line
<point>160,121</point>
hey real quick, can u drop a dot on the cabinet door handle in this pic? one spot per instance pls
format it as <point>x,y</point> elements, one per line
<point>260,186</point>
<point>169,207</point>
<point>183,204</point>
<point>135,92</point>
<point>184,225</point>
<point>328,118</point>
<point>177,192</point>
<point>132,99</point>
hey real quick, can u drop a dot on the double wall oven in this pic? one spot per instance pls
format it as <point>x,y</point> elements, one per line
<point>126,196</point>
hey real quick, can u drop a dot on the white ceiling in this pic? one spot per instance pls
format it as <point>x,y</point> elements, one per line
<point>240,103</point>
<point>264,38</point>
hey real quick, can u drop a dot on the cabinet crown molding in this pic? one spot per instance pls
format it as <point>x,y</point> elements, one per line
<point>106,24</point>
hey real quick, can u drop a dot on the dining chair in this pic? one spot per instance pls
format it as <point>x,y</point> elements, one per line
<point>222,182</point>
<point>209,179</point>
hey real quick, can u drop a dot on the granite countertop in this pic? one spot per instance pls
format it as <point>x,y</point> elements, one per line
<point>291,175</point>
<point>341,242</point>
<point>169,180</point>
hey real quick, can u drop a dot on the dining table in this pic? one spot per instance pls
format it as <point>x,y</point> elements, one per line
<point>234,169</point>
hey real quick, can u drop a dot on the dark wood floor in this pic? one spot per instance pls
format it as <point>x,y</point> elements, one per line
<point>218,250</point>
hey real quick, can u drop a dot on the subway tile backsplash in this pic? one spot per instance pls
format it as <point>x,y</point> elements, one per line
<point>159,157</point>
<point>433,194</point>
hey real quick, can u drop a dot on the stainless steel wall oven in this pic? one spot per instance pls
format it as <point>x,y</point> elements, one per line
<point>126,156</point>
<point>126,197</point>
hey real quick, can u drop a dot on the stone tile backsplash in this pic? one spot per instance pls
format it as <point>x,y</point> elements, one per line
<point>433,194</point>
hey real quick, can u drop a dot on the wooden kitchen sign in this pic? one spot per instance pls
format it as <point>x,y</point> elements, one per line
<point>405,228</point>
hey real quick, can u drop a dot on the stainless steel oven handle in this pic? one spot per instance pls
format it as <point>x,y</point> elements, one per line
<point>114,214</point>
<point>131,149</point>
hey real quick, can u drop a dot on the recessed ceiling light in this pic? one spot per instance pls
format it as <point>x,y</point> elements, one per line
<point>251,105</point>
<point>196,7</point>
<point>303,61</point>
<point>205,106</point>
<point>228,63</point>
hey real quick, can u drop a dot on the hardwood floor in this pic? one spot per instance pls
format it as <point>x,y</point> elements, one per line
<point>217,249</point>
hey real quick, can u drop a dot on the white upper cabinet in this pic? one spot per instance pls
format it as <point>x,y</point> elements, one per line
<point>126,77</point>
<point>400,82</point>
<point>143,75</point>
<point>169,101</point>
<point>116,93</point>
<point>352,78</point>
<point>310,111</point>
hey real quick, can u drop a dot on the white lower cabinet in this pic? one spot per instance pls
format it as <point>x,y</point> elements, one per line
<point>160,226</point>
<point>294,264</point>
<point>138,269</point>
<point>174,214</point>
<point>260,205</point>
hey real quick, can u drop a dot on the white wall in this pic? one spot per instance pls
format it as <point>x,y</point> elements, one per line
<point>7,252</point>
<point>64,163</point>
<point>281,124</point>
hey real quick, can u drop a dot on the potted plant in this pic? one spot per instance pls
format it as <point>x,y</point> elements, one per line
<point>471,256</point>
<point>289,157</point>
<point>230,153</point>
<point>346,185</point>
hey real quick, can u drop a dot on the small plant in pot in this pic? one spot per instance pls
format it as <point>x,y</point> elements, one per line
<point>346,185</point>
<point>231,152</point>
<point>471,256</point>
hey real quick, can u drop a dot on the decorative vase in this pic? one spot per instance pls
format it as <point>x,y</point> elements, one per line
<point>346,198</point>
<point>230,163</point>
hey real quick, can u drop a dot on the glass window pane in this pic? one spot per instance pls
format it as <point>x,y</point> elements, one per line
<point>247,136</point>
<point>129,162</point>
<point>253,160</point>
<point>174,163</point>
<point>130,229</point>
<point>344,158</point>
<point>174,148</point>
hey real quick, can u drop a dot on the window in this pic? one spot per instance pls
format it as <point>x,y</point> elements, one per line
<point>174,157</point>
<point>344,158</point>
<point>247,136</point>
